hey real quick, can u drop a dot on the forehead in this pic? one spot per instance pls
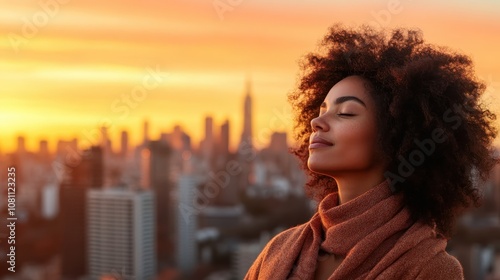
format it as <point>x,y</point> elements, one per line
<point>350,86</point>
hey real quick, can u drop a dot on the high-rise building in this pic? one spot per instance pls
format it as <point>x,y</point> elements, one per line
<point>278,142</point>
<point>224,139</point>
<point>179,140</point>
<point>124,144</point>
<point>246,136</point>
<point>186,142</point>
<point>186,225</point>
<point>21,145</point>
<point>49,199</point>
<point>207,143</point>
<point>209,126</point>
<point>121,233</point>
<point>145,132</point>
<point>105,141</point>
<point>159,171</point>
<point>277,156</point>
<point>43,151</point>
<point>88,173</point>
<point>144,168</point>
<point>246,150</point>
<point>66,148</point>
<point>226,184</point>
<point>18,160</point>
<point>159,163</point>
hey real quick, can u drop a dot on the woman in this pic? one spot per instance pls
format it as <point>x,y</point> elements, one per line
<point>394,138</point>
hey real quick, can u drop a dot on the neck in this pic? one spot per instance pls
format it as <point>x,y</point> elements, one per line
<point>351,186</point>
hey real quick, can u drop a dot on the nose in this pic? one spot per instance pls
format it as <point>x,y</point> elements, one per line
<point>319,124</point>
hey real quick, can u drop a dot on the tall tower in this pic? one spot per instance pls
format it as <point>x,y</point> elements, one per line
<point>159,180</point>
<point>208,142</point>
<point>246,151</point>
<point>121,231</point>
<point>21,145</point>
<point>209,127</point>
<point>88,174</point>
<point>187,225</point>
<point>105,141</point>
<point>246,136</point>
<point>145,132</point>
<point>224,138</point>
<point>43,151</point>
<point>124,144</point>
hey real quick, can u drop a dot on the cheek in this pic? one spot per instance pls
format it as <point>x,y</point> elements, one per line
<point>358,141</point>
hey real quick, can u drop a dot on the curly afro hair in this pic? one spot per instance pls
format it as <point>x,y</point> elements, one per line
<point>433,130</point>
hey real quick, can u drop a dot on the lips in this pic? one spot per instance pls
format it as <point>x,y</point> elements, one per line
<point>318,142</point>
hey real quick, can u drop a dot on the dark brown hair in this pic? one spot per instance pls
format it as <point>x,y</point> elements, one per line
<point>433,130</point>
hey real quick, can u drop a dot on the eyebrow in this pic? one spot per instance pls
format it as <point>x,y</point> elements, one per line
<point>343,99</point>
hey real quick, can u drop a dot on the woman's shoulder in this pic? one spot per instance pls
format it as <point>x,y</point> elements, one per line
<point>288,236</point>
<point>272,254</point>
<point>442,266</point>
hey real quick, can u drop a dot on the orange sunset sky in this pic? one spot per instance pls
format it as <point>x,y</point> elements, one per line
<point>66,65</point>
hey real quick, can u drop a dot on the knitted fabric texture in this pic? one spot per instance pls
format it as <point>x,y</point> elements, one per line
<point>373,232</point>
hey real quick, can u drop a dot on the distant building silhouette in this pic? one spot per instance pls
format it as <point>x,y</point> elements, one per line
<point>179,140</point>
<point>246,149</point>
<point>43,152</point>
<point>246,136</point>
<point>21,145</point>
<point>209,124</point>
<point>66,147</point>
<point>208,142</point>
<point>106,144</point>
<point>73,202</point>
<point>124,144</point>
<point>224,139</point>
<point>159,171</point>
<point>278,142</point>
<point>225,178</point>
<point>145,133</point>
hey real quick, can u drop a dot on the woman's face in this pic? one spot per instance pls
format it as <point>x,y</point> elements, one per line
<point>345,132</point>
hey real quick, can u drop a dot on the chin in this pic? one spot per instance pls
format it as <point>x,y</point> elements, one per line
<point>318,168</point>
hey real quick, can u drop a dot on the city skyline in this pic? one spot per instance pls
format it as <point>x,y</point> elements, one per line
<point>101,136</point>
<point>70,66</point>
<point>131,212</point>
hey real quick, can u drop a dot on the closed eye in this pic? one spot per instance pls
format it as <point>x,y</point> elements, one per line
<point>346,115</point>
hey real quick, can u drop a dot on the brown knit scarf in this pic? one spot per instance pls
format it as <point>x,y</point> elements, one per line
<point>373,232</point>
